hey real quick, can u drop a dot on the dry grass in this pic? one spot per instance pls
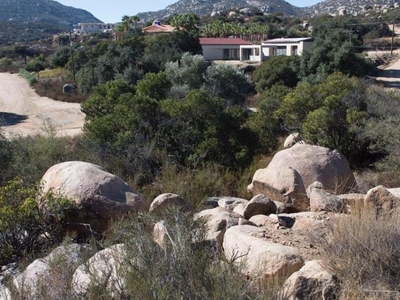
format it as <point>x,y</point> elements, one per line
<point>363,251</point>
<point>53,89</point>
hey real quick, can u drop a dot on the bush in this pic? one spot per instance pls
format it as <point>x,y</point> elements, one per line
<point>21,222</point>
<point>182,266</point>
<point>28,76</point>
<point>363,251</point>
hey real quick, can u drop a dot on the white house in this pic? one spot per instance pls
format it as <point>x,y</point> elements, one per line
<point>282,46</point>
<point>89,28</point>
<point>222,48</point>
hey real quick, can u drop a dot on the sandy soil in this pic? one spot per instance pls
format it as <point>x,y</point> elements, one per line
<point>23,112</point>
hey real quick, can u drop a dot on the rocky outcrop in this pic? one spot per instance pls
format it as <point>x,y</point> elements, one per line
<point>292,170</point>
<point>381,200</point>
<point>292,140</point>
<point>98,195</point>
<point>312,282</point>
<point>39,276</point>
<point>217,221</point>
<point>259,205</point>
<point>320,200</point>
<point>168,200</point>
<point>245,246</point>
<point>104,269</point>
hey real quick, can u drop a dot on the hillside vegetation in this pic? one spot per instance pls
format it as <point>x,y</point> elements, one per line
<point>167,121</point>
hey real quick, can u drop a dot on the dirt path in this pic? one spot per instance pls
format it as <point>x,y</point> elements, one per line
<point>389,76</point>
<point>23,112</point>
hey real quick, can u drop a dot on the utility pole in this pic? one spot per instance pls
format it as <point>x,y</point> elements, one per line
<point>72,54</point>
<point>392,44</point>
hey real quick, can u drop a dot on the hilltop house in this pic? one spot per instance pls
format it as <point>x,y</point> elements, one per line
<point>222,48</point>
<point>282,46</point>
<point>89,28</point>
<point>157,27</point>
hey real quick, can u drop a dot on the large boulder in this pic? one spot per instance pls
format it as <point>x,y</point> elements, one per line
<point>168,200</point>
<point>312,282</point>
<point>105,270</point>
<point>381,200</point>
<point>217,221</point>
<point>259,258</point>
<point>320,200</point>
<point>52,273</point>
<point>98,195</point>
<point>259,205</point>
<point>292,170</point>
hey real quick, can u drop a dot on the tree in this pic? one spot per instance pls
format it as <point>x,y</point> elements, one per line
<point>329,114</point>
<point>187,71</point>
<point>187,22</point>
<point>227,82</point>
<point>332,51</point>
<point>61,57</point>
<point>200,128</point>
<point>276,70</point>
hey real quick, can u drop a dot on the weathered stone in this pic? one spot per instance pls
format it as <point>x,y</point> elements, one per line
<point>69,88</point>
<point>312,282</point>
<point>168,200</point>
<point>283,185</point>
<point>39,275</point>
<point>315,184</point>
<point>104,269</point>
<point>229,203</point>
<point>320,200</point>
<point>217,221</point>
<point>99,196</point>
<point>259,205</point>
<point>245,246</point>
<point>292,139</point>
<point>381,200</point>
<point>292,170</point>
<point>239,209</point>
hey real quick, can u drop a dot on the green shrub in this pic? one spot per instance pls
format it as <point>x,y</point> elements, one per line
<point>28,76</point>
<point>21,222</point>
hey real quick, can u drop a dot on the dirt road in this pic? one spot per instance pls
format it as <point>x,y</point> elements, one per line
<point>23,112</point>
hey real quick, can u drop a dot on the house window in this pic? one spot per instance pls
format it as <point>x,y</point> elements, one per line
<point>295,50</point>
<point>257,52</point>
<point>281,50</point>
<point>230,53</point>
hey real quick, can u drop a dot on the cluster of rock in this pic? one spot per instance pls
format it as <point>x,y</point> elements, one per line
<point>302,188</point>
<point>353,7</point>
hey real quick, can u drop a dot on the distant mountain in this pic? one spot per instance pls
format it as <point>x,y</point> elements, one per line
<point>43,11</point>
<point>350,6</point>
<point>211,7</point>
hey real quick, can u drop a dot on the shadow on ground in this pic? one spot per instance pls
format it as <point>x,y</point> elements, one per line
<point>9,119</point>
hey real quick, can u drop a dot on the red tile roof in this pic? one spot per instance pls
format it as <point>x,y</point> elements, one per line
<point>223,41</point>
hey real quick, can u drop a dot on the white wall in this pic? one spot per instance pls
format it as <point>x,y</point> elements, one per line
<point>216,52</point>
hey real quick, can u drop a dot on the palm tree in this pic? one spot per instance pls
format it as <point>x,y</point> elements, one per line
<point>135,19</point>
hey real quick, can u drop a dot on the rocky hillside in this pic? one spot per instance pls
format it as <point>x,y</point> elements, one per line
<point>350,6</point>
<point>42,11</point>
<point>213,7</point>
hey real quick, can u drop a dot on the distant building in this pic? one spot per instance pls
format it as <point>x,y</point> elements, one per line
<point>157,27</point>
<point>89,28</point>
<point>275,47</point>
<point>222,48</point>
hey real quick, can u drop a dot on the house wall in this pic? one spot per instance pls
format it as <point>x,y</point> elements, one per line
<point>216,52</point>
<point>88,28</point>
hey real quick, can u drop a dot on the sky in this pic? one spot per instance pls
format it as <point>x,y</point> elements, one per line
<point>111,11</point>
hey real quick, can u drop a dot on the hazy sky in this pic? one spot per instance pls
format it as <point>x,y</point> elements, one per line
<point>111,11</point>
